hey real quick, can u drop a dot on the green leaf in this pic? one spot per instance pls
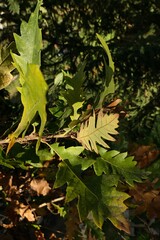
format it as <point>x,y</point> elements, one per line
<point>33,99</point>
<point>29,43</point>
<point>76,188</point>
<point>74,93</point>
<point>45,155</point>
<point>5,162</point>
<point>111,204</point>
<point>76,106</point>
<point>96,128</point>
<point>122,166</point>
<point>14,6</point>
<point>58,79</point>
<point>70,172</point>
<point>33,86</point>
<point>109,85</point>
<point>109,71</point>
<point>72,153</point>
<point>95,194</point>
<point>106,48</point>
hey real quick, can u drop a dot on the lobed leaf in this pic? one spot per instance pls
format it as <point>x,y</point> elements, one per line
<point>122,166</point>
<point>109,71</point>
<point>29,43</point>
<point>111,205</point>
<point>74,93</point>
<point>33,86</point>
<point>96,195</point>
<point>72,153</point>
<point>96,129</point>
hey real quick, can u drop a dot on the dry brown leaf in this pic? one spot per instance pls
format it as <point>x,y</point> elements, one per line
<point>145,154</point>
<point>39,235</point>
<point>147,199</point>
<point>114,103</point>
<point>25,212</point>
<point>72,223</point>
<point>40,186</point>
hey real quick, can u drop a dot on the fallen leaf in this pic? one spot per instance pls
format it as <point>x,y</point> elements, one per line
<point>147,199</point>
<point>25,212</point>
<point>41,186</point>
<point>72,223</point>
<point>145,155</point>
<point>39,235</point>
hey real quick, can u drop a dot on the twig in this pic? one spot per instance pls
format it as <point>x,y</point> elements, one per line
<point>28,138</point>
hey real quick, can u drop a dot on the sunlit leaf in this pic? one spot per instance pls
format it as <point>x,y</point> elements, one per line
<point>72,153</point>
<point>33,102</point>
<point>109,71</point>
<point>96,129</point>
<point>29,43</point>
<point>40,186</point>
<point>33,86</point>
<point>76,107</point>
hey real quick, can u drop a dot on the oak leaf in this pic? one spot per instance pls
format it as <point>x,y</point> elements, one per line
<point>33,86</point>
<point>147,199</point>
<point>96,129</point>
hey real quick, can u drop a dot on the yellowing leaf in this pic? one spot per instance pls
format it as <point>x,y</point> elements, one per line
<point>6,66</point>
<point>96,129</point>
<point>110,204</point>
<point>33,86</point>
<point>33,96</point>
<point>121,223</point>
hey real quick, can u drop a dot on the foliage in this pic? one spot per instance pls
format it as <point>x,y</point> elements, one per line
<point>14,6</point>
<point>28,64</point>
<point>93,130</point>
<point>6,67</point>
<point>69,173</point>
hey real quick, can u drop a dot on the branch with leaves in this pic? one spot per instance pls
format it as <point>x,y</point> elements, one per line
<point>98,193</point>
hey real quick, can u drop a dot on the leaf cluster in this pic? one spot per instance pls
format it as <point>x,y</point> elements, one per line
<point>75,144</point>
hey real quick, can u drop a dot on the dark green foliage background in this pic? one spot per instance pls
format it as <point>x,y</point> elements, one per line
<point>132,29</point>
